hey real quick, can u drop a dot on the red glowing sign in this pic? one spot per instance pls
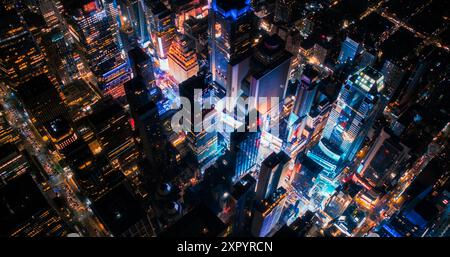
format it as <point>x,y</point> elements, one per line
<point>132,123</point>
<point>90,7</point>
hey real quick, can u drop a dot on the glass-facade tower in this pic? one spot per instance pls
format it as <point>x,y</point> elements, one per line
<point>358,103</point>
<point>231,27</point>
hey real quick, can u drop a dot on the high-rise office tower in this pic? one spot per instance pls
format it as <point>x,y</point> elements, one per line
<point>270,174</point>
<point>267,213</point>
<point>202,137</point>
<point>14,162</point>
<point>60,56</point>
<point>297,131</point>
<point>232,28</point>
<point>79,96</point>
<point>243,193</point>
<point>393,76</point>
<point>244,151</point>
<point>182,59</point>
<point>271,64</point>
<point>52,11</point>
<point>142,65</point>
<point>24,211</point>
<point>156,146</point>
<point>90,25</point>
<point>200,221</point>
<point>197,30</point>
<point>20,57</point>
<point>92,171</point>
<point>287,11</point>
<point>366,58</point>
<point>132,13</point>
<point>358,103</point>
<point>137,93</point>
<point>108,132</point>
<point>57,41</point>
<point>161,23</point>
<point>205,143</point>
<point>306,93</point>
<point>349,50</point>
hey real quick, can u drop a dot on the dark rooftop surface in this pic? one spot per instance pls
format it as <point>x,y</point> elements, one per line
<point>274,159</point>
<point>199,222</point>
<point>188,86</point>
<point>20,200</point>
<point>58,127</point>
<point>36,86</point>
<point>7,150</point>
<point>118,209</point>
<point>269,54</point>
<point>427,177</point>
<point>243,185</point>
<point>104,111</point>
<point>10,20</point>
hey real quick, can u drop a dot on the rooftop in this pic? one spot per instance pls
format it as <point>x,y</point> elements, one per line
<point>199,222</point>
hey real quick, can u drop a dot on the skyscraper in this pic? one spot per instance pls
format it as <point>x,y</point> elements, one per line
<point>7,133</point>
<point>186,10</point>
<point>306,93</point>
<point>61,134</point>
<point>133,12</point>
<point>358,103</point>
<point>243,193</point>
<point>52,11</point>
<point>182,59</point>
<point>108,132</point>
<point>142,66</point>
<point>231,26</point>
<point>349,49</point>
<point>161,23</point>
<point>60,55</point>
<point>270,173</point>
<point>157,149</point>
<point>90,25</point>
<point>267,213</point>
<point>270,64</point>
<point>203,140</point>
<point>20,57</point>
<point>122,214</point>
<point>137,94</point>
<point>393,74</point>
<point>244,150</point>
